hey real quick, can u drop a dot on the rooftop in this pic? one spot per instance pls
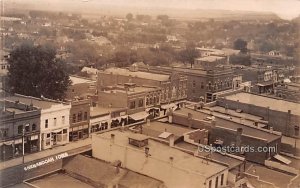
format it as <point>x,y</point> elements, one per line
<point>37,102</point>
<point>209,59</point>
<point>98,110</point>
<point>228,124</point>
<point>131,90</point>
<point>80,80</point>
<point>156,128</point>
<point>163,152</point>
<point>274,104</point>
<point>139,74</point>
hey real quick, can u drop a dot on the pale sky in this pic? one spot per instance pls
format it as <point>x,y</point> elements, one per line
<point>286,9</point>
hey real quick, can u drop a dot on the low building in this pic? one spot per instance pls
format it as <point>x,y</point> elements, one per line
<point>146,156</point>
<point>209,62</point>
<point>79,120</point>
<point>282,115</point>
<point>105,118</point>
<point>288,91</point>
<point>19,126</point>
<point>135,98</point>
<point>81,88</point>
<point>225,132</point>
<point>54,119</point>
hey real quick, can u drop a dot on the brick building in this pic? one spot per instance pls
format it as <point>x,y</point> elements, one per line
<point>201,84</point>
<point>19,124</point>
<point>79,119</point>
<point>172,85</point>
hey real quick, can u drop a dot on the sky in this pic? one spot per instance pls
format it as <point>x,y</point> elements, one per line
<point>285,9</point>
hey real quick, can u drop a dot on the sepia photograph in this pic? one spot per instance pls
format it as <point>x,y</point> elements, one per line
<point>149,94</point>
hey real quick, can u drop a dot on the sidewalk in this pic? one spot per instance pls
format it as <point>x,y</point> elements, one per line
<point>45,153</point>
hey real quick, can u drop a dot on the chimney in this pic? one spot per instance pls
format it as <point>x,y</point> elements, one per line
<point>171,140</point>
<point>171,160</point>
<point>239,132</point>
<point>112,138</point>
<point>148,122</point>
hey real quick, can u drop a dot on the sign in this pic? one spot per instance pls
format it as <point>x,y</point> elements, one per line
<point>46,161</point>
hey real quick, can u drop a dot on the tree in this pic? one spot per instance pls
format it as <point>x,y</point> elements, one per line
<point>240,44</point>
<point>129,16</point>
<point>188,55</point>
<point>35,71</point>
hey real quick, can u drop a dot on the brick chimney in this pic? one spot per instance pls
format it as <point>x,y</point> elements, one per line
<point>171,140</point>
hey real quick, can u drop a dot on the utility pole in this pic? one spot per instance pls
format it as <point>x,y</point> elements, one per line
<point>23,144</point>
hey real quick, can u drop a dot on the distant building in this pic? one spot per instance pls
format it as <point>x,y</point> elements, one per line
<point>209,62</point>
<point>274,53</point>
<point>164,162</point>
<point>19,124</point>
<point>81,88</point>
<point>201,84</point>
<point>172,85</point>
<point>54,119</point>
<point>288,91</point>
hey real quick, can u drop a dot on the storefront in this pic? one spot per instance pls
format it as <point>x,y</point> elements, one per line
<point>7,150</point>
<point>138,117</point>
<point>55,137</point>
<point>79,132</point>
<point>154,112</point>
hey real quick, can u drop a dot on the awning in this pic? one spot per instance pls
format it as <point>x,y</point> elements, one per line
<point>18,141</point>
<point>282,159</point>
<point>266,83</point>
<point>164,135</point>
<point>57,131</point>
<point>168,106</point>
<point>34,137</point>
<point>139,116</point>
<point>153,108</point>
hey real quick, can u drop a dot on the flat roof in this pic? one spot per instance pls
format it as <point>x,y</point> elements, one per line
<point>135,89</point>
<point>98,110</point>
<point>274,104</point>
<point>37,102</point>
<point>163,152</point>
<point>139,74</point>
<point>209,58</point>
<point>80,80</point>
<point>156,128</point>
<point>227,124</point>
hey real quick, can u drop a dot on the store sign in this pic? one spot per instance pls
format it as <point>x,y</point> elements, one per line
<point>46,161</point>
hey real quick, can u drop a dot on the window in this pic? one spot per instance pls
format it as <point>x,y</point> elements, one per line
<point>132,105</point>
<point>33,127</point>
<point>85,116</point>
<point>222,179</point>
<point>141,103</point>
<point>209,184</point>
<point>48,135</point>
<point>54,122</point>
<point>4,132</point>
<point>46,123</point>
<point>202,85</point>
<point>27,128</point>
<point>217,181</point>
<point>20,129</point>
<point>74,118</point>
<point>63,119</point>
<point>79,116</point>
<point>194,83</point>
<point>65,131</point>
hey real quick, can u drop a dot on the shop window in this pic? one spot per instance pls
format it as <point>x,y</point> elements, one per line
<point>20,129</point>
<point>46,123</point>
<point>33,127</point>
<point>65,131</point>
<point>79,116</point>
<point>85,115</point>
<point>27,128</point>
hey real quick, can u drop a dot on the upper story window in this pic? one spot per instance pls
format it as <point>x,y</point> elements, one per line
<point>85,116</point>
<point>132,105</point>
<point>74,118</point>
<point>4,133</point>
<point>46,123</point>
<point>141,103</point>
<point>20,129</point>
<point>63,119</point>
<point>79,116</point>
<point>33,127</point>
<point>27,128</point>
